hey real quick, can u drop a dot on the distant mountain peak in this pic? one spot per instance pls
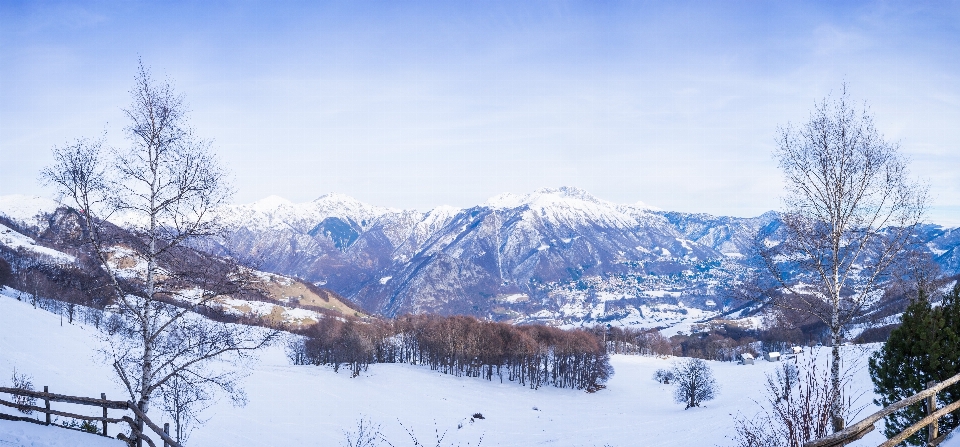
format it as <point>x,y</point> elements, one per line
<point>335,197</point>
<point>543,197</point>
<point>270,203</point>
<point>567,191</point>
<point>348,202</point>
<point>644,206</point>
<point>444,210</point>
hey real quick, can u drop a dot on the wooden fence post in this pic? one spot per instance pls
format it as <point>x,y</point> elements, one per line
<point>933,428</point>
<point>46,402</point>
<point>103,396</point>
<point>166,431</point>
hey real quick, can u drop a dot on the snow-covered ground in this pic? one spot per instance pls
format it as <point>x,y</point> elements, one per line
<point>310,405</point>
<point>33,435</point>
<point>15,241</point>
<point>27,210</point>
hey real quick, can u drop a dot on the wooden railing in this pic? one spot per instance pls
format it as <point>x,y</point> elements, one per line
<point>137,435</point>
<point>858,430</point>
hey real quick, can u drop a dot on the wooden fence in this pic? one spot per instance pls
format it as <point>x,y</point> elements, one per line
<point>934,438</point>
<point>137,435</point>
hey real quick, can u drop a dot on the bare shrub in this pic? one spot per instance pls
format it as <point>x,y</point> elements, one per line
<point>183,400</point>
<point>797,408</point>
<point>664,376</point>
<point>23,382</point>
<point>84,426</point>
<point>437,435</point>
<point>367,434</point>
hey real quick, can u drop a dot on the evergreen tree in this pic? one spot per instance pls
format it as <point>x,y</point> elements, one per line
<point>926,347</point>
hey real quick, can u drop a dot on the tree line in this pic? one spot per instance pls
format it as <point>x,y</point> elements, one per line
<point>531,355</point>
<point>719,340</point>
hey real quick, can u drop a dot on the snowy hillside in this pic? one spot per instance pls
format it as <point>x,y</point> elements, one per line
<point>18,241</point>
<point>28,211</point>
<point>20,434</point>
<point>43,240</point>
<point>309,405</point>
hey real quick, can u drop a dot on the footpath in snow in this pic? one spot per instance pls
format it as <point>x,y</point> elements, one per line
<point>313,406</point>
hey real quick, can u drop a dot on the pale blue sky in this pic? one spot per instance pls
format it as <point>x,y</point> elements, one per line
<point>418,104</point>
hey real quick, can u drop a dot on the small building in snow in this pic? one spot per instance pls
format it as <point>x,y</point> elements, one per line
<point>746,359</point>
<point>772,356</point>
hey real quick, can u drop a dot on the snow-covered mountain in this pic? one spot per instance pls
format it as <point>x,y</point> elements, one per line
<point>526,246</point>
<point>561,255</point>
<point>558,255</point>
<point>28,211</point>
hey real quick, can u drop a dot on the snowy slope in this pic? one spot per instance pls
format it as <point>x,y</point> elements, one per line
<point>21,434</point>
<point>28,211</point>
<point>309,405</point>
<point>17,241</point>
<point>61,357</point>
<point>952,441</point>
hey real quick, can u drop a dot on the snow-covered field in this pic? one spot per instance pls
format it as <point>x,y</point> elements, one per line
<point>309,405</point>
<point>33,435</point>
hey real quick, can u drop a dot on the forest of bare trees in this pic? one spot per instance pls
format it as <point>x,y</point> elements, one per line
<point>533,355</point>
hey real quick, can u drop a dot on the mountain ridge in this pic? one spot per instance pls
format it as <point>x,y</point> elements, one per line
<point>558,255</point>
<point>563,250</point>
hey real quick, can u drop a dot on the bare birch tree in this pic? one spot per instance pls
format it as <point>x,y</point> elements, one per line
<point>850,210</point>
<point>164,186</point>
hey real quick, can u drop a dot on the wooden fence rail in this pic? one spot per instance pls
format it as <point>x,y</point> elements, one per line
<point>136,424</point>
<point>857,430</point>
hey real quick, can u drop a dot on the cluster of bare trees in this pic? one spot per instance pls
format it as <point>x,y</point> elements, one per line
<point>532,355</point>
<point>37,277</point>
<point>625,340</point>
<point>717,345</point>
<point>344,344</point>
